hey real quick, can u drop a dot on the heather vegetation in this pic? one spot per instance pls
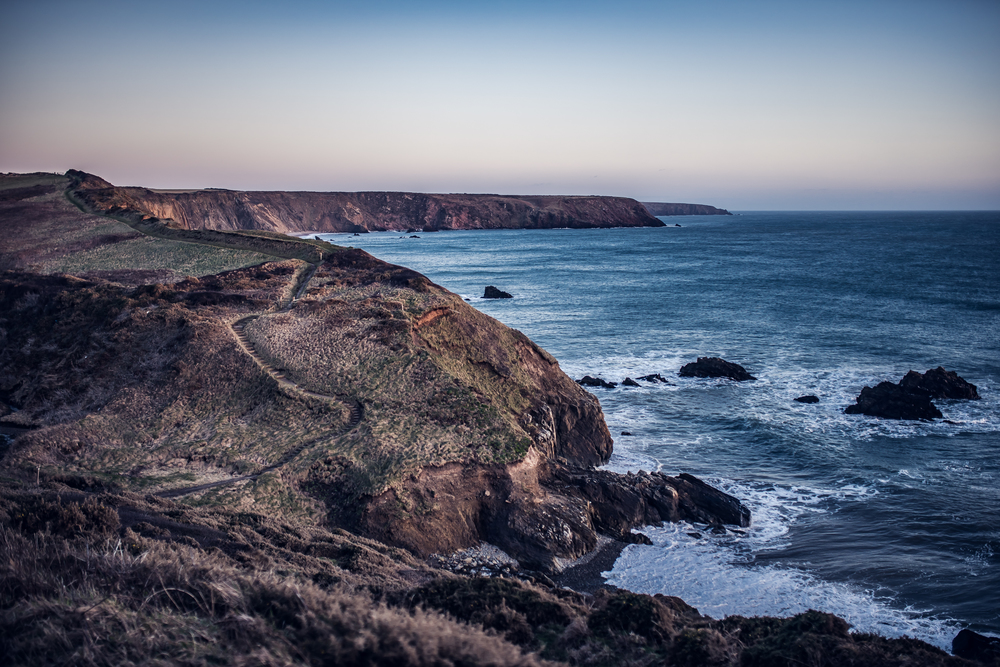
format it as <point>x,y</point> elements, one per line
<point>112,578</point>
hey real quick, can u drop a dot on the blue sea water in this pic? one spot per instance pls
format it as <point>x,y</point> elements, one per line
<point>893,525</point>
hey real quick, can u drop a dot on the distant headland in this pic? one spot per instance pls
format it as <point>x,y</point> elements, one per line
<point>294,212</point>
<point>665,208</point>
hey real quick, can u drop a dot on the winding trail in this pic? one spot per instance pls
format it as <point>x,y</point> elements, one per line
<point>279,248</point>
<point>278,375</point>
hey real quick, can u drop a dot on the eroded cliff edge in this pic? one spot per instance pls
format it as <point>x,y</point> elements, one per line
<point>291,212</point>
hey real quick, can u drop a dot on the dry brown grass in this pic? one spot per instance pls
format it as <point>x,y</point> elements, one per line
<point>90,597</point>
<point>129,380</point>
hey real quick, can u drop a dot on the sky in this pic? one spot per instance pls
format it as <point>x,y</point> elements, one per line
<point>766,105</point>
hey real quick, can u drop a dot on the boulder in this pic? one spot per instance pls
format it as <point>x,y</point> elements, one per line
<point>714,367</point>
<point>654,377</point>
<point>588,381</point>
<point>939,383</point>
<point>974,646</point>
<point>619,503</point>
<point>891,401</point>
<point>493,293</point>
<point>807,399</point>
<point>629,382</point>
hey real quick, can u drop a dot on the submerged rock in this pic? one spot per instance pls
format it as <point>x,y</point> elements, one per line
<point>807,399</point>
<point>891,401</point>
<point>714,367</point>
<point>654,377</point>
<point>493,293</point>
<point>629,382</point>
<point>939,383</point>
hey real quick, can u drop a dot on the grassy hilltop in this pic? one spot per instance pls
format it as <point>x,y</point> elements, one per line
<point>240,447</point>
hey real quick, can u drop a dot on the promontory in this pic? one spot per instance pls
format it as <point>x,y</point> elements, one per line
<point>223,445</point>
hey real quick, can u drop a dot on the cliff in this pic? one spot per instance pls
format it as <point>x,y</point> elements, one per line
<point>664,209</point>
<point>221,439</point>
<point>315,380</point>
<point>290,212</point>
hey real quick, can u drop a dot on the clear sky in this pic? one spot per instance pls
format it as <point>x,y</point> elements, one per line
<point>744,105</point>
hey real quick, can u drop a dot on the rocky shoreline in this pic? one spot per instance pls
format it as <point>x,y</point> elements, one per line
<point>340,421</point>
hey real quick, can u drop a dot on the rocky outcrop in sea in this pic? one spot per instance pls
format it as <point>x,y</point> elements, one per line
<point>714,367</point>
<point>910,398</point>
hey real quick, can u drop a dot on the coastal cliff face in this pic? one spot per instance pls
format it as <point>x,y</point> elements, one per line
<point>212,443</point>
<point>291,212</point>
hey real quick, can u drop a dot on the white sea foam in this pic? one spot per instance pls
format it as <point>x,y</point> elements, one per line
<point>718,575</point>
<point>704,573</point>
<point>770,399</point>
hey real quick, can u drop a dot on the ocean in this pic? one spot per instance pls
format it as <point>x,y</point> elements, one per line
<point>893,525</point>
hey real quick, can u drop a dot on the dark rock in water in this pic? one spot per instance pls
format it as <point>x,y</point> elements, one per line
<point>676,225</point>
<point>974,646</point>
<point>939,383</point>
<point>724,507</point>
<point>714,367</point>
<point>891,401</point>
<point>414,237</point>
<point>620,502</point>
<point>626,433</point>
<point>911,398</point>
<point>493,293</point>
<point>807,399</point>
<point>654,377</point>
<point>411,230</point>
<point>588,381</point>
<point>629,382</point>
<point>696,536</point>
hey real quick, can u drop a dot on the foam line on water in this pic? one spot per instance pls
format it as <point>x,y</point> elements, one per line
<point>718,582</point>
